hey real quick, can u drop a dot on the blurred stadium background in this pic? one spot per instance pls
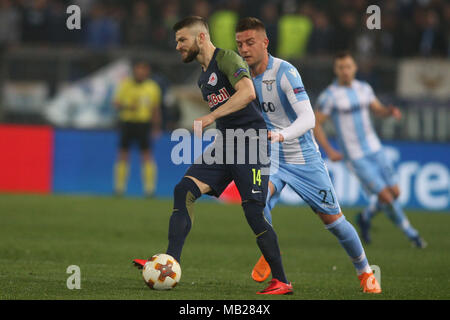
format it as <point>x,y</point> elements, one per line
<point>57,124</point>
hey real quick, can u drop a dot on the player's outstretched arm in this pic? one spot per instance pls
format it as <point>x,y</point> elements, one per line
<point>322,138</point>
<point>383,112</point>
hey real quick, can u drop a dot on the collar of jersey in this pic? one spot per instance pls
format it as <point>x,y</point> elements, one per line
<point>269,66</point>
<point>336,83</point>
<point>212,59</point>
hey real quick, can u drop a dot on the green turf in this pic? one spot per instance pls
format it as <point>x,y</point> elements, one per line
<point>40,236</point>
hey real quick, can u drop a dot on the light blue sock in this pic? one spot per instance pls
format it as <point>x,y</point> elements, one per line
<point>395,213</point>
<point>349,240</point>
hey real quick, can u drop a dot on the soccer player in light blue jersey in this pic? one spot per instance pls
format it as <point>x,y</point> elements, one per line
<point>348,102</point>
<point>290,120</point>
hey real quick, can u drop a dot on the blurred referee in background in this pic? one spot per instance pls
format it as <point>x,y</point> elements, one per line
<point>138,101</point>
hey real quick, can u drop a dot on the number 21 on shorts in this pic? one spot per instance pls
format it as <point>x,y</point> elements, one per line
<point>256,176</point>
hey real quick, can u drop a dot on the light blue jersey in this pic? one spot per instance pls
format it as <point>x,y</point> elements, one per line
<point>349,109</point>
<point>278,88</point>
<point>299,163</point>
<point>286,106</point>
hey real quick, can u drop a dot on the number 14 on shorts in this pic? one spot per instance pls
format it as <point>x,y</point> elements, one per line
<point>256,176</point>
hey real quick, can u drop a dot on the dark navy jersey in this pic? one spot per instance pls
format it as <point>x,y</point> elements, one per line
<point>217,85</point>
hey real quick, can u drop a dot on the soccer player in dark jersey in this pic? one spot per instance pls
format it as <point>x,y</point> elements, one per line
<point>226,84</point>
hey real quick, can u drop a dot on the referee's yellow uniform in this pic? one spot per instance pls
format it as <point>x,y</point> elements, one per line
<point>137,102</point>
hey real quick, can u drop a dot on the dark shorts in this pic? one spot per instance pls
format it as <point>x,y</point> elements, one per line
<point>251,177</point>
<point>131,132</point>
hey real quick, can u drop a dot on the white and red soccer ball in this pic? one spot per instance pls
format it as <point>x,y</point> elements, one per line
<point>161,272</point>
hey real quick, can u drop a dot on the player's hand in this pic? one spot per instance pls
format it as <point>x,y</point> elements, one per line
<point>201,123</point>
<point>334,155</point>
<point>275,137</point>
<point>395,112</point>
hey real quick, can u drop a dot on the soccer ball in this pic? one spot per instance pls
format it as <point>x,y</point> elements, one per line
<point>161,272</point>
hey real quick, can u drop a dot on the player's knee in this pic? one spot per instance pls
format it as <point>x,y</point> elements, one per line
<point>328,219</point>
<point>395,190</point>
<point>185,193</point>
<point>385,196</point>
<point>272,189</point>
<point>254,213</point>
<point>252,207</point>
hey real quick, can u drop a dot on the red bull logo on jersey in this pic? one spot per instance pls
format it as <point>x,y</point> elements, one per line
<point>215,99</point>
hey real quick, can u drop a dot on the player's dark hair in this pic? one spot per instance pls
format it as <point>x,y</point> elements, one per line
<point>250,23</point>
<point>190,21</point>
<point>343,54</point>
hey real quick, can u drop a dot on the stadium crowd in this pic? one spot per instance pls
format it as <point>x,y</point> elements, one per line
<point>409,27</point>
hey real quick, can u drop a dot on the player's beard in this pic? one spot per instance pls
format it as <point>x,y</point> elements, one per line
<point>192,53</point>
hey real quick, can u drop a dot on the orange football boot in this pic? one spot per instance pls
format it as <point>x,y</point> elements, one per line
<point>369,283</point>
<point>261,270</point>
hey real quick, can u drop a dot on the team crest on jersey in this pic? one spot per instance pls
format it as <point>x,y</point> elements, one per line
<point>268,84</point>
<point>215,99</point>
<point>212,79</point>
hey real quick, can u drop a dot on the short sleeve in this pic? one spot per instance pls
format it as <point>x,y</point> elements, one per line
<point>370,94</point>
<point>325,102</point>
<point>121,92</point>
<point>157,95</point>
<point>232,65</point>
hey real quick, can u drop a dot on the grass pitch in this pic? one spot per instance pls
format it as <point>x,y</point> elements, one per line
<point>40,236</point>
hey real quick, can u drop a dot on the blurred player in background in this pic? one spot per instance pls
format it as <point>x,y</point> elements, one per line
<point>138,102</point>
<point>348,102</point>
<point>290,119</point>
<point>225,83</point>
